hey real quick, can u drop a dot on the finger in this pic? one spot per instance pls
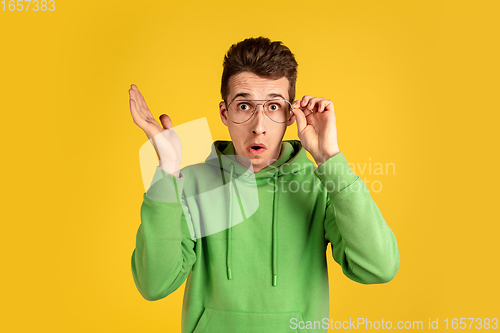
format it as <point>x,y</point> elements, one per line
<point>301,119</point>
<point>314,103</point>
<point>144,111</point>
<point>305,100</point>
<point>133,95</point>
<point>326,105</point>
<point>322,105</point>
<point>138,112</point>
<point>306,112</point>
<point>141,103</point>
<point>297,104</point>
<point>134,90</point>
<point>166,122</point>
<point>133,106</point>
<point>136,115</point>
<point>142,100</point>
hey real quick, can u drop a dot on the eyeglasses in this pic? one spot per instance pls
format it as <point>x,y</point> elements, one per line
<point>240,111</point>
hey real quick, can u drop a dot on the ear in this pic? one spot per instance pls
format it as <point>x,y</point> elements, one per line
<point>223,113</point>
<point>291,120</point>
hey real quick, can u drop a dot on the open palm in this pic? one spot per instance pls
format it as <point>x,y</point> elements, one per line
<point>165,141</point>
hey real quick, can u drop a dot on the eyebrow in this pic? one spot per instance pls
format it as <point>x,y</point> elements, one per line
<point>273,95</point>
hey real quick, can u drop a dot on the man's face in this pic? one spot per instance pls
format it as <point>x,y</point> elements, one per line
<point>259,129</point>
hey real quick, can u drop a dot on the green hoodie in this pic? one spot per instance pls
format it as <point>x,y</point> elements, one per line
<point>266,270</point>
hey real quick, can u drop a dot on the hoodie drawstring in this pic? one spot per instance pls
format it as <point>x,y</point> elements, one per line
<point>274,227</point>
<point>275,238</point>
<point>228,254</point>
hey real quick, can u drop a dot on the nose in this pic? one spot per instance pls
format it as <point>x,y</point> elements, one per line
<point>258,123</point>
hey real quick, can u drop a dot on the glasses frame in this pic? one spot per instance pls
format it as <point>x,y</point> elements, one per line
<point>256,105</point>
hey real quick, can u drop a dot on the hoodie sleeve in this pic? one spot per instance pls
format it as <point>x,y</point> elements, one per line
<point>362,243</point>
<point>164,252</point>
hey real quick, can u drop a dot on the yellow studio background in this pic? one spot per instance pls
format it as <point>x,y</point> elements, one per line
<point>414,84</point>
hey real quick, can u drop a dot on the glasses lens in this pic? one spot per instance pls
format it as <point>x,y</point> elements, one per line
<point>241,110</point>
<point>278,110</point>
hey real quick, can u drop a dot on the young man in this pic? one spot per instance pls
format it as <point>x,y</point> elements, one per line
<point>262,269</point>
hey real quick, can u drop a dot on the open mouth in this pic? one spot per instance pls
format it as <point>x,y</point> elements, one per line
<point>256,148</point>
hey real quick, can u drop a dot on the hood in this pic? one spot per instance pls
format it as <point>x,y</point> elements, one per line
<point>293,158</point>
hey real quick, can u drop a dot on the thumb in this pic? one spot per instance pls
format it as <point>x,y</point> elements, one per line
<point>301,119</point>
<point>166,122</point>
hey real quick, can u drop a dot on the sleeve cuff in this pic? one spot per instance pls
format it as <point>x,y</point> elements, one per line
<point>166,187</point>
<point>335,174</point>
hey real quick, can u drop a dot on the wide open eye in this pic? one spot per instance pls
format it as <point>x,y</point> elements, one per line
<point>243,106</point>
<point>276,106</point>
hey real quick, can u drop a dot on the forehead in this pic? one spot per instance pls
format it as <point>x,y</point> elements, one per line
<point>257,87</point>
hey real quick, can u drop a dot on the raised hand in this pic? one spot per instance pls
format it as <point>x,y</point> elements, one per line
<point>316,127</point>
<point>165,141</point>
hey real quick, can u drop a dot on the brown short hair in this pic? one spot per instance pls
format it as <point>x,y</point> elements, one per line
<point>262,57</point>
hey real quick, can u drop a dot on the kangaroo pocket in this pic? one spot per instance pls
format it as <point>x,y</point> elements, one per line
<point>221,321</point>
